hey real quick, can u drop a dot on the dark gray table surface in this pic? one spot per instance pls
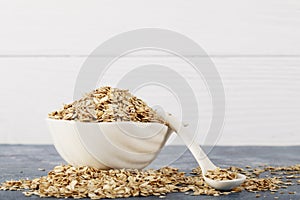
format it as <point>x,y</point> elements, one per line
<point>23,161</point>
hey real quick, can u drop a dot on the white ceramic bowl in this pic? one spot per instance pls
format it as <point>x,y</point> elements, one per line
<point>108,144</point>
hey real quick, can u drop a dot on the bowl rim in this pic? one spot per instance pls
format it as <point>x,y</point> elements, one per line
<point>122,122</point>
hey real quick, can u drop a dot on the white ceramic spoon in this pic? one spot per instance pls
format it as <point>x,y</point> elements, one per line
<point>200,156</point>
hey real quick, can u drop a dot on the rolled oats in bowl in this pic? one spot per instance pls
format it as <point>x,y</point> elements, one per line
<point>107,104</point>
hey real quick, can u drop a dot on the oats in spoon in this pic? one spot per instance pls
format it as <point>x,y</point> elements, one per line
<point>221,174</point>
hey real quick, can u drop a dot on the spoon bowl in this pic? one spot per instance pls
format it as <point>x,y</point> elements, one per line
<point>225,184</point>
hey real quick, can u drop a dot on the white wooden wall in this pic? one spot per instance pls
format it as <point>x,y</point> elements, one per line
<point>255,45</point>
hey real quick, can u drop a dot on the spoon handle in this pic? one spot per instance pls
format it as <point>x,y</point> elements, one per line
<point>202,159</point>
<point>189,140</point>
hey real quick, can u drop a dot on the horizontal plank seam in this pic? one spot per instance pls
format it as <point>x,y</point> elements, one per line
<point>83,56</point>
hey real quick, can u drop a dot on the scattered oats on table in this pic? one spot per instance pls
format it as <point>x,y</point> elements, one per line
<point>86,182</point>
